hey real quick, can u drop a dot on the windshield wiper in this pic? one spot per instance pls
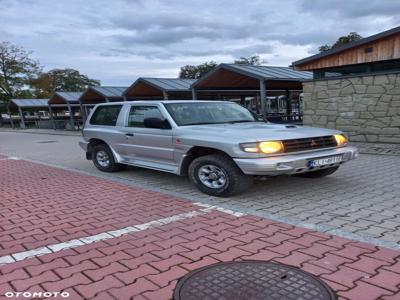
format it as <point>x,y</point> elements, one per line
<point>241,121</point>
<point>227,122</point>
<point>201,123</point>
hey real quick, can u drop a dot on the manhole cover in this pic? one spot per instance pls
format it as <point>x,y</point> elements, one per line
<point>46,142</point>
<point>251,280</point>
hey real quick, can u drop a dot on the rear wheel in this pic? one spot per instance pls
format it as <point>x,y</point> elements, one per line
<point>218,175</point>
<point>103,159</point>
<point>319,173</point>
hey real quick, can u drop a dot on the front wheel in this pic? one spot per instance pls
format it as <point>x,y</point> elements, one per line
<point>217,175</point>
<point>103,159</point>
<point>319,173</point>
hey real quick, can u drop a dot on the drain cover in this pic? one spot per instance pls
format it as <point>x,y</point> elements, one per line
<point>251,280</point>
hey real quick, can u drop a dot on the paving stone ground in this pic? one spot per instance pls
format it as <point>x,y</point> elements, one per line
<point>360,201</point>
<point>378,148</point>
<point>42,205</point>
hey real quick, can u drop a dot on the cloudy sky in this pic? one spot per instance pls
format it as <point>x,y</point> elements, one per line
<point>117,41</point>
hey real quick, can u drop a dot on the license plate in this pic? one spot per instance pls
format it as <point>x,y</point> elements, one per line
<point>325,161</point>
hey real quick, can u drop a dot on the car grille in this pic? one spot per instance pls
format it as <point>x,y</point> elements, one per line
<point>309,143</point>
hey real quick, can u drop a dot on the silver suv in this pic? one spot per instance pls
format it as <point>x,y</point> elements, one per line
<point>220,145</point>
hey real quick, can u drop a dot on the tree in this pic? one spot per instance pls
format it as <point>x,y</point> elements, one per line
<point>16,70</point>
<point>25,94</point>
<point>67,80</point>
<point>343,40</point>
<point>254,60</point>
<point>194,72</point>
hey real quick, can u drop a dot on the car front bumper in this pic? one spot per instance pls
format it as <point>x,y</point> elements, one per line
<point>84,145</point>
<point>292,163</point>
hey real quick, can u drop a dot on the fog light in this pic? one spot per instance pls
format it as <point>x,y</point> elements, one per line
<point>250,147</point>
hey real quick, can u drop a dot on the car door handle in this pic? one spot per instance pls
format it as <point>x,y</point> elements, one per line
<point>129,134</point>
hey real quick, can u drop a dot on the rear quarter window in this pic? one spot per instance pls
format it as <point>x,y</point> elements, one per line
<point>106,115</point>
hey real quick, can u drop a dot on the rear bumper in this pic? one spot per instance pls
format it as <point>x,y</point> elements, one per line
<point>292,163</point>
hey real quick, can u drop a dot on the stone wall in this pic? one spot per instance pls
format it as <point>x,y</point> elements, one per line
<point>367,108</point>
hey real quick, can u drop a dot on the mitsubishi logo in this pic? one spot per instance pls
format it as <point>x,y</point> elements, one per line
<point>313,143</point>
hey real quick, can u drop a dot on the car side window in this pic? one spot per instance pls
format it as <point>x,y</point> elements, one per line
<point>106,115</point>
<point>137,114</point>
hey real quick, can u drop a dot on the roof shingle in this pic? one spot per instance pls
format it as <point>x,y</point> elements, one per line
<point>110,91</point>
<point>71,97</point>
<point>30,102</point>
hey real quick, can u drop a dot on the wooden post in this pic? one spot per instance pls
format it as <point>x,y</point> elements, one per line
<point>22,123</point>
<point>288,105</point>
<point>194,94</point>
<point>242,100</point>
<point>165,95</point>
<point>83,113</point>
<point>257,103</point>
<point>52,117</point>
<point>11,120</point>
<point>38,122</point>
<point>263,99</point>
<point>71,117</point>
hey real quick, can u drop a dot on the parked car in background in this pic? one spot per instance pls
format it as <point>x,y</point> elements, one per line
<point>220,145</point>
<point>4,120</point>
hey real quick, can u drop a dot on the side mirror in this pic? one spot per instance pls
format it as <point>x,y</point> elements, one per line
<point>258,117</point>
<point>156,123</point>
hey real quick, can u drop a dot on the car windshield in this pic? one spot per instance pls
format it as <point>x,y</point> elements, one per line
<point>198,113</point>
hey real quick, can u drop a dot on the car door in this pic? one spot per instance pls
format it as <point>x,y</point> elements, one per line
<point>151,147</point>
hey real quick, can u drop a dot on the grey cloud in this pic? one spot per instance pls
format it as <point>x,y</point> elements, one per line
<point>147,21</point>
<point>102,36</point>
<point>162,37</point>
<point>305,38</point>
<point>4,35</point>
<point>165,53</point>
<point>251,50</point>
<point>352,8</point>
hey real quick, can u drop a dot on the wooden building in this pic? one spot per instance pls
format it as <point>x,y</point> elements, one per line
<point>356,88</point>
<point>270,91</point>
<point>30,112</point>
<point>159,89</point>
<point>377,53</point>
<point>65,110</point>
<point>99,94</point>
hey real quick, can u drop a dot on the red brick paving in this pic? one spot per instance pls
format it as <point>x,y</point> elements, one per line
<point>42,205</point>
<point>147,264</point>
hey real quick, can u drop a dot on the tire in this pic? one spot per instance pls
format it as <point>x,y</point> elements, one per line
<point>231,180</point>
<point>104,160</point>
<point>319,173</point>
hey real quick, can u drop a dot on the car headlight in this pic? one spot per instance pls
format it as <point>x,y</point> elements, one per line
<point>268,147</point>
<point>341,140</point>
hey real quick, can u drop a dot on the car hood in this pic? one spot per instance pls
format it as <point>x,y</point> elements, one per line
<point>254,131</point>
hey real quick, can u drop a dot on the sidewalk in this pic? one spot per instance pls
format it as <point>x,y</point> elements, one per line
<point>43,131</point>
<point>97,239</point>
